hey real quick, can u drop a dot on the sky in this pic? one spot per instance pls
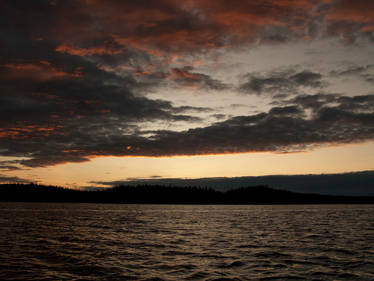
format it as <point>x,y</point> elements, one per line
<point>97,91</point>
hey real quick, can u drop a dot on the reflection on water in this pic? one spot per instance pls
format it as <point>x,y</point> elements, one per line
<point>165,242</point>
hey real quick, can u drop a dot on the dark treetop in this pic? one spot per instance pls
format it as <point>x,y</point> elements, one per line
<point>170,195</point>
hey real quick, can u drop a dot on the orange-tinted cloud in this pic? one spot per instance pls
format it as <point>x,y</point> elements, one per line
<point>158,27</point>
<point>42,70</point>
<point>350,19</point>
<point>183,74</point>
<point>361,11</point>
<point>24,132</point>
<point>184,77</point>
<point>87,51</point>
<point>165,28</point>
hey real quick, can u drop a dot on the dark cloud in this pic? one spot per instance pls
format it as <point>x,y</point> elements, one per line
<point>47,93</point>
<point>352,70</point>
<point>281,129</point>
<point>10,165</point>
<point>313,102</point>
<point>356,104</point>
<point>219,116</point>
<point>187,108</point>
<point>285,83</point>
<point>286,111</point>
<point>10,179</point>
<point>365,72</point>
<point>185,77</point>
<point>69,115</point>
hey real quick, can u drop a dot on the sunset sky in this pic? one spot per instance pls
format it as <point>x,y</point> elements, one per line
<point>97,91</point>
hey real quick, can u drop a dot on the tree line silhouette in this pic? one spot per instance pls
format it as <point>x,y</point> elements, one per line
<point>157,194</point>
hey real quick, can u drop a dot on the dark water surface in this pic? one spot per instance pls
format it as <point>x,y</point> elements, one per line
<point>40,241</point>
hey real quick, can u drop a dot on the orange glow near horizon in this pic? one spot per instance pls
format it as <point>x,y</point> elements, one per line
<point>337,159</point>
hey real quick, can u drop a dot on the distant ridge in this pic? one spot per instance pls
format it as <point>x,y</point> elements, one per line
<point>349,184</point>
<point>151,194</point>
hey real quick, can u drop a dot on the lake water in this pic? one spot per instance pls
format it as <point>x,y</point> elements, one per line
<point>41,241</point>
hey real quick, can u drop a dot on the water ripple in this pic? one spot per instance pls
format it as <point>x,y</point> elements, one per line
<point>166,242</point>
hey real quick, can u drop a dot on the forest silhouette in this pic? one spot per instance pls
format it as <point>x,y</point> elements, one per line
<point>157,194</point>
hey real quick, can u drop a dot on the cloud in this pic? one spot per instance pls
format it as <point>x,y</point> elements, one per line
<point>365,72</point>
<point>10,165</point>
<point>286,128</point>
<point>350,20</point>
<point>186,78</point>
<point>9,179</point>
<point>282,83</point>
<point>316,102</point>
<point>218,116</point>
<point>48,89</point>
<point>90,51</point>
<point>168,27</point>
<point>187,108</point>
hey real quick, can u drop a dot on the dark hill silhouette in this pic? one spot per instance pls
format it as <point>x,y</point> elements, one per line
<point>348,184</point>
<point>152,194</point>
